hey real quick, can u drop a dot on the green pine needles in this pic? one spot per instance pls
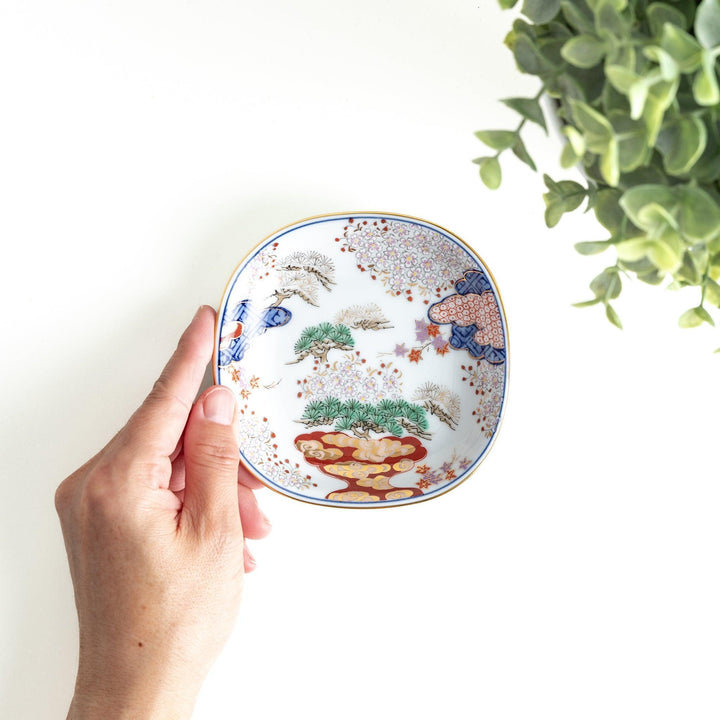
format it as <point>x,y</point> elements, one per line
<point>636,89</point>
<point>396,417</point>
<point>318,340</point>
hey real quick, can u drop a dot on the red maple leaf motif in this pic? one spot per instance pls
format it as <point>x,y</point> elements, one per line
<point>421,469</point>
<point>422,484</point>
<point>433,330</point>
<point>235,374</point>
<point>443,350</point>
<point>415,355</point>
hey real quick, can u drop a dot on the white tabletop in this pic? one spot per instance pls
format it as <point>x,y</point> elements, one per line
<point>146,145</point>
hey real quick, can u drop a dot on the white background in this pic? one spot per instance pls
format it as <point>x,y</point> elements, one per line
<point>145,146</point>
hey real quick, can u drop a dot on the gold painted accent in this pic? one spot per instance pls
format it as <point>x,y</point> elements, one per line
<point>390,215</point>
<point>352,496</point>
<point>380,482</point>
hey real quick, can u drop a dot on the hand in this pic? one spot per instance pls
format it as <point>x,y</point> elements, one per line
<point>154,528</point>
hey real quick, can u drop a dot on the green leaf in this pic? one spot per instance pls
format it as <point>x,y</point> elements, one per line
<point>669,69</point>
<point>636,198</point>
<point>540,11</point>
<point>584,51</point>
<point>608,211</point>
<point>659,13</point>
<point>597,128</point>
<point>613,317</point>
<point>631,251</point>
<point>638,96</point>
<point>497,139</point>
<point>520,152</point>
<point>681,143</point>
<point>712,292</point>
<point>633,148</point>
<point>507,4</point>
<point>695,317</point>
<point>662,256</point>
<point>682,47</point>
<point>621,78</point>
<point>527,56</point>
<point>707,23</point>
<point>705,85</point>
<point>574,148</point>
<point>578,15</point>
<point>592,248</point>
<point>529,108</point>
<point>607,285</point>
<point>490,172</point>
<point>610,163</point>
<point>587,303</point>
<point>699,214</point>
<point>608,21</point>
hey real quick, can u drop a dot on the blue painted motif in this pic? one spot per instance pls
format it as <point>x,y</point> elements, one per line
<point>462,337</point>
<point>473,282</point>
<point>254,324</point>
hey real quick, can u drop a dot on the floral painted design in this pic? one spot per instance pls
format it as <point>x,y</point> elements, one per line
<point>352,378</point>
<point>445,473</point>
<point>260,449</point>
<point>431,339</point>
<point>488,382</point>
<point>409,259</point>
<point>367,404</point>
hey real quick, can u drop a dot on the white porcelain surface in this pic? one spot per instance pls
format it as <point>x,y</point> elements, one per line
<point>368,356</point>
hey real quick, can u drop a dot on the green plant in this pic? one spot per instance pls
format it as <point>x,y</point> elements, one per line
<point>393,416</point>
<point>635,87</point>
<point>318,340</point>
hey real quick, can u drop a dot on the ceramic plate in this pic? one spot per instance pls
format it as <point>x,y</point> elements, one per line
<point>368,354</point>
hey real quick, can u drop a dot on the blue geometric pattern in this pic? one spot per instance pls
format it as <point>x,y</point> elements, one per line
<point>473,282</point>
<point>462,337</point>
<point>254,324</point>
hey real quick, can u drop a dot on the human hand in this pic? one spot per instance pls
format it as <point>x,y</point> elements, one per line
<point>154,529</point>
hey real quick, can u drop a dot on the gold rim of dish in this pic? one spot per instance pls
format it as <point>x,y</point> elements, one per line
<point>365,213</point>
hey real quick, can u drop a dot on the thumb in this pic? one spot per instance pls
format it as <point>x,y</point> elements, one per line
<point>211,462</point>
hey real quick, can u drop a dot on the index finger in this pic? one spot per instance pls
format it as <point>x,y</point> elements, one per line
<point>156,427</point>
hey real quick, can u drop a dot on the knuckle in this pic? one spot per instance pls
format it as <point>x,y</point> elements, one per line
<point>217,454</point>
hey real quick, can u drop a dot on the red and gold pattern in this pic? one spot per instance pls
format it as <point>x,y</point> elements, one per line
<point>364,464</point>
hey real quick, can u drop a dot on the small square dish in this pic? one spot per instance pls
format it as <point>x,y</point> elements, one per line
<point>368,355</point>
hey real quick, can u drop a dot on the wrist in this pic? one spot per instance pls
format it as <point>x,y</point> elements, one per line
<point>131,695</point>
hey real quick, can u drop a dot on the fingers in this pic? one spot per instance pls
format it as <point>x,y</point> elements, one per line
<point>246,478</point>
<point>255,524</point>
<point>155,429</point>
<point>211,458</point>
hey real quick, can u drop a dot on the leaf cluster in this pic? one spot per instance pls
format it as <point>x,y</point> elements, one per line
<point>635,86</point>
<point>393,416</point>
<point>337,334</point>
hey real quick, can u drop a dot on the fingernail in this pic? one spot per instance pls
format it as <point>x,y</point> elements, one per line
<point>219,405</point>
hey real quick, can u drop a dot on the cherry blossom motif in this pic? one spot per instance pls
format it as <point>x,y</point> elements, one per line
<point>488,382</point>
<point>409,259</point>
